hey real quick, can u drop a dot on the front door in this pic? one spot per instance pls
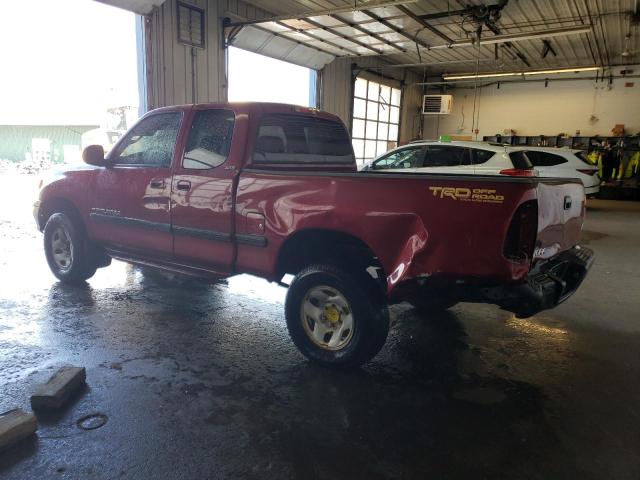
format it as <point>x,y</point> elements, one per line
<point>130,208</point>
<point>202,196</point>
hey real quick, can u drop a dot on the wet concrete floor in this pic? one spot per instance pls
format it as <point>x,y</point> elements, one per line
<point>202,381</point>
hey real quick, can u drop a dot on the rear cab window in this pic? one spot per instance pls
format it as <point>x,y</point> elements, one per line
<point>300,139</point>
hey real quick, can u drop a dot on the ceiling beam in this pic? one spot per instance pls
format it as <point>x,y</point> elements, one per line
<point>344,37</point>
<point>356,6</point>
<point>317,38</point>
<point>392,27</point>
<point>422,22</point>
<point>517,37</point>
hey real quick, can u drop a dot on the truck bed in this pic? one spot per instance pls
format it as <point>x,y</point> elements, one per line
<point>445,226</point>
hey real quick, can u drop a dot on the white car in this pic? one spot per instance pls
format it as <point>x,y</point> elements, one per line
<point>482,158</point>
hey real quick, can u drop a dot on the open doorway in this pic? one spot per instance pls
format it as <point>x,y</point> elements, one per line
<point>257,78</point>
<point>72,81</point>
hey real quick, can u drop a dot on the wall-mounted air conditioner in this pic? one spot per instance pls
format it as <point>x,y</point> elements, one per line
<point>436,104</point>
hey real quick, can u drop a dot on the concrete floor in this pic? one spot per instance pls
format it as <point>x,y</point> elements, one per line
<point>202,381</point>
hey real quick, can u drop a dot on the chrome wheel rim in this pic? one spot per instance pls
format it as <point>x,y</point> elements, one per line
<point>62,249</point>
<point>327,318</point>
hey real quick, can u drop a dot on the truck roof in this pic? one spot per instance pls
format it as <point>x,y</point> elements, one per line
<point>254,108</point>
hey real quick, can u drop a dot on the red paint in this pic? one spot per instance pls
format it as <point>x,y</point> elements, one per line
<point>412,223</point>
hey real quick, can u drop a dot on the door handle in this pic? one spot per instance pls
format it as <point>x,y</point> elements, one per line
<point>567,202</point>
<point>183,185</point>
<point>157,183</point>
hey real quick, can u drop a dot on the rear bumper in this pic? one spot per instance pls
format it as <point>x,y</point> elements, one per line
<point>592,190</point>
<point>547,285</point>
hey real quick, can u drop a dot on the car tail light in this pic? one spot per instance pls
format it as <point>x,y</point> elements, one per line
<point>518,172</point>
<point>588,171</point>
<point>522,233</point>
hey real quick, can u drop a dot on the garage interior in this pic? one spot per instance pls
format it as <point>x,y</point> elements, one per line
<point>201,381</point>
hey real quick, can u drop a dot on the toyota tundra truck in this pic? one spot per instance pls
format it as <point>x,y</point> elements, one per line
<point>214,190</point>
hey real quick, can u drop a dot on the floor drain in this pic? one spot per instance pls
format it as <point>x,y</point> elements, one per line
<point>92,421</point>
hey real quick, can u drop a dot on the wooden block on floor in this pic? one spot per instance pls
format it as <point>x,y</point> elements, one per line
<point>55,393</point>
<point>16,425</point>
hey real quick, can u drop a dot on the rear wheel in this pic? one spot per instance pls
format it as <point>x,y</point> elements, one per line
<point>333,318</point>
<point>66,249</point>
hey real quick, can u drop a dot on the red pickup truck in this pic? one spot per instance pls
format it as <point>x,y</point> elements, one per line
<point>214,190</point>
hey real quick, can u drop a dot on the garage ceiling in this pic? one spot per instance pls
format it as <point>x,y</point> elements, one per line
<point>141,7</point>
<point>439,34</point>
<point>525,35</point>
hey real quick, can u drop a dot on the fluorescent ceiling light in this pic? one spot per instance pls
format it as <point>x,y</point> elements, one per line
<point>511,74</point>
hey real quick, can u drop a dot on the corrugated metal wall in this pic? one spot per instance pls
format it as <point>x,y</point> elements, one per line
<point>336,85</point>
<point>337,96</point>
<point>178,74</point>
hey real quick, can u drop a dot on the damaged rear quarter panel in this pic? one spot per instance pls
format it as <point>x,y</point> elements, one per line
<point>411,229</point>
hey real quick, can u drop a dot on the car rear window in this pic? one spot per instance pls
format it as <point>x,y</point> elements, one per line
<point>545,159</point>
<point>583,157</point>
<point>520,161</point>
<point>287,138</point>
<point>481,156</point>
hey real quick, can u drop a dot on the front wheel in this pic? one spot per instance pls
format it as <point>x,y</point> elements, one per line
<point>65,247</point>
<point>333,318</point>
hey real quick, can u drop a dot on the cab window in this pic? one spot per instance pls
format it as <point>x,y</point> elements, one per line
<point>209,139</point>
<point>150,143</point>
<point>303,139</point>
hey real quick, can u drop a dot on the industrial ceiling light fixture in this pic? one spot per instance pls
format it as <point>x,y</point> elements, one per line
<point>472,76</point>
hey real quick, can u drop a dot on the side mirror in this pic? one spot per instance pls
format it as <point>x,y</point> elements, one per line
<point>94,155</point>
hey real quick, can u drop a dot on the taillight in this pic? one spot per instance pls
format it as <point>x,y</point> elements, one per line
<point>518,172</point>
<point>588,171</point>
<point>522,233</point>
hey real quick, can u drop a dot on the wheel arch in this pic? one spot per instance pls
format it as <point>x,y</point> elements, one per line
<point>53,205</point>
<point>309,246</point>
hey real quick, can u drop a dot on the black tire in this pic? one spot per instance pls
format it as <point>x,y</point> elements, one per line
<point>81,265</point>
<point>368,312</point>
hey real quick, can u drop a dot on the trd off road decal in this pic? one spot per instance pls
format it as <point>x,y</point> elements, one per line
<point>481,195</point>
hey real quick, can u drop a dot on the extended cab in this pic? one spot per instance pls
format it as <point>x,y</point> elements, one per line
<point>218,189</point>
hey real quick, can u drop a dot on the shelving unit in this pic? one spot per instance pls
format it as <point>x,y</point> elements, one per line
<point>628,188</point>
<point>632,143</point>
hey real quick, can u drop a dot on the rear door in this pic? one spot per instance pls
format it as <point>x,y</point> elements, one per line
<point>129,201</point>
<point>202,193</point>
<point>447,159</point>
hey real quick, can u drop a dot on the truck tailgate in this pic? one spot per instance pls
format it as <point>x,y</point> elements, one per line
<point>561,209</point>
